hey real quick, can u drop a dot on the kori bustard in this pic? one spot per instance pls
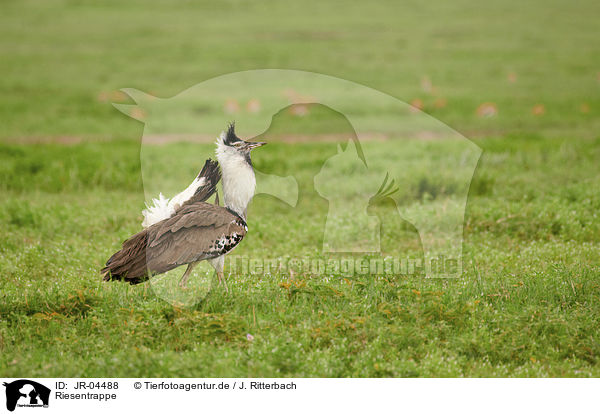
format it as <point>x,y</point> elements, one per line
<point>187,229</point>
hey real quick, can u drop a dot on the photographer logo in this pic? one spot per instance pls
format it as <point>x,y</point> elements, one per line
<point>26,393</point>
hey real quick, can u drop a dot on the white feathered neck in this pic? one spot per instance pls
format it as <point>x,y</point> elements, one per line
<point>239,181</point>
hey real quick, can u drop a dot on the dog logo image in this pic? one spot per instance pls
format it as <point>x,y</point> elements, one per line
<point>26,393</point>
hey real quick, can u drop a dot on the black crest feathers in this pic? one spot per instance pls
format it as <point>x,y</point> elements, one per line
<point>230,137</point>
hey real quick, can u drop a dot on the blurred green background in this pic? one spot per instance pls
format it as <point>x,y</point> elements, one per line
<point>521,79</point>
<point>63,60</point>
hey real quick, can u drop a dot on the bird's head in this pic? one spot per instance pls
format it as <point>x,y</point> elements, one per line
<point>231,148</point>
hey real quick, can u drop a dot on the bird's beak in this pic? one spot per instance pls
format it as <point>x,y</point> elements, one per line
<point>252,145</point>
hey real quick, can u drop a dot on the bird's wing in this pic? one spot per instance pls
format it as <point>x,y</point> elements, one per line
<point>196,231</point>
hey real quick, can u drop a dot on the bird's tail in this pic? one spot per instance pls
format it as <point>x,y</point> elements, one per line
<point>129,263</point>
<point>212,174</point>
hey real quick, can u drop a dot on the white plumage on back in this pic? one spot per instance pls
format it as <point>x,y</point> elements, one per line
<point>162,208</point>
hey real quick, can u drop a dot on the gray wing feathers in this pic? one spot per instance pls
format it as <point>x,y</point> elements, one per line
<point>196,231</point>
<point>193,215</point>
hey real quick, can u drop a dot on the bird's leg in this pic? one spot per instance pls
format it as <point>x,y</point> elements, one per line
<point>184,279</point>
<point>219,264</point>
<point>221,277</point>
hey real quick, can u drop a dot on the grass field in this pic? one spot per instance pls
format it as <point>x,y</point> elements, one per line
<point>527,304</point>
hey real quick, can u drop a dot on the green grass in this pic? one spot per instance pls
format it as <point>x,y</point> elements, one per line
<point>527,303</point>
